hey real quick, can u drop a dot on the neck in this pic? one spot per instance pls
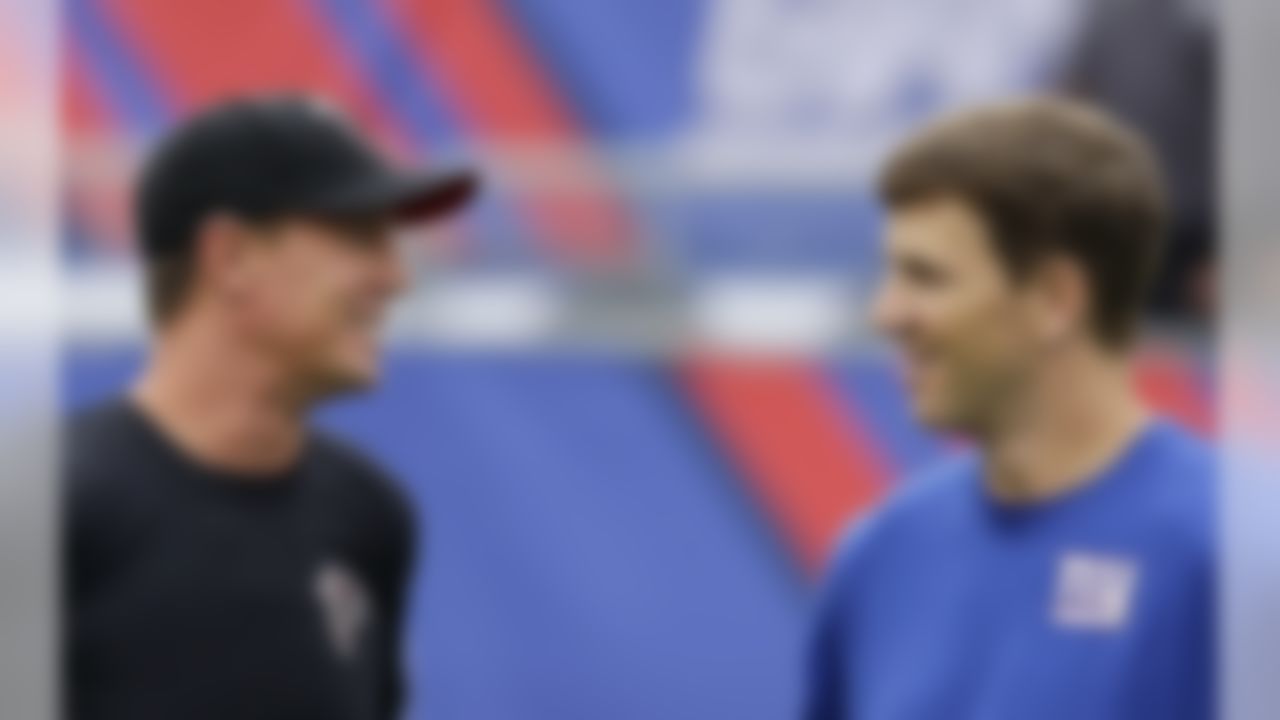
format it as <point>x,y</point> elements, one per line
<point>1077,418</point>
<point>221,402</point>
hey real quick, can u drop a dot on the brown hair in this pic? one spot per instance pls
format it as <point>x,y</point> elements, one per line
<point>1050,176</point>
<point>168,283</point>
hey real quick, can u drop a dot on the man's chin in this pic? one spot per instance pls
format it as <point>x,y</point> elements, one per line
<point>346,378</point>
<point>355,379</point>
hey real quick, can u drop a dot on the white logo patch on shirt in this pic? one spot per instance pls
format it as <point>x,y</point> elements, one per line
<point>1094,591</point>
<point>344,605</point>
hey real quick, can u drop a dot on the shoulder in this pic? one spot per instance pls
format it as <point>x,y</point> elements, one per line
<point>920,505</point>
<point>937,488</point>
<point>109,489</point>
<point>925,497</point>
<point>361,480</point>
<point>104,447</point>
<point>385,524</point>
<point>1176,447</point>
<point>1179,470</point>
<point>98,434</point>
<point>1180,473</point>
<point>354,467</point>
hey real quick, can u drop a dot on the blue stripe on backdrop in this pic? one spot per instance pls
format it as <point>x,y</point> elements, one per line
<point>398,80</point>
<point>413,93</point>
<point>588,556</point>
<point>90,376</point>
<point>585,559</point>
<point>132,92</point>
<point>628,68</point>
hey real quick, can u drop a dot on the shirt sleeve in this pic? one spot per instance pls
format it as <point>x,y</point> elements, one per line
<point>399,561</point>
<point>828,662</point>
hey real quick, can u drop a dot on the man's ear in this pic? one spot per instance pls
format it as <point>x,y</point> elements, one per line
<point>1060,298</point>
<point>220,251</point>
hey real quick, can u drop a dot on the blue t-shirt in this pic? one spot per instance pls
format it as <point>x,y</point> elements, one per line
<point>1098,605</point>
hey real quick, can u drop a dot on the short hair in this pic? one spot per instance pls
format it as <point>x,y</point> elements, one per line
<point>1050,176</point>
<point>168,285</point>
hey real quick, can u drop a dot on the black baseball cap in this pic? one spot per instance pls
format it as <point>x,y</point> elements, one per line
<point>270,156</point>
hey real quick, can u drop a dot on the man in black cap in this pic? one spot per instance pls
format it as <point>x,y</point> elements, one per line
<point>222,559</point>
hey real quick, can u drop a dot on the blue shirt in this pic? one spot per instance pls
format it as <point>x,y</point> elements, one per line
<point>1097,605</point>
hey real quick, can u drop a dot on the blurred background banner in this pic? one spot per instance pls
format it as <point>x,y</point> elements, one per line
<point>633,391</point>
<point>1249,351</point>
<point>29,343</point>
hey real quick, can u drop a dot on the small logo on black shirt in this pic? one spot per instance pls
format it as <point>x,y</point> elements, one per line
<point>344,607</point>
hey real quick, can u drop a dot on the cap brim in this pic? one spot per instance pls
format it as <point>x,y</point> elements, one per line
<point>406,197</point>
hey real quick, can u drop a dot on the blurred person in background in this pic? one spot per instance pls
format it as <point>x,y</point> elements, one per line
<point>1153,63</point>
<point>222,559</point>
<point>1063,568</point>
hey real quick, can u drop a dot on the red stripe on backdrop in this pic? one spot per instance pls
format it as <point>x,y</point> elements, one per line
<point>82,111</point>
<point>96,174</point>
<point>206,50</point>
<point>1168,381</point>
<point>807,460</point>
<point>487,73</point>
<point>485,69</point>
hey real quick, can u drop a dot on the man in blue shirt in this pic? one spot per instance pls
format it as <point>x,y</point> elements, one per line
<point>1062,568</point>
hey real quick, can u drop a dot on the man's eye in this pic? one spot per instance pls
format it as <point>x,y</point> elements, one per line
<point>365,236</point>
<point>361,235</point>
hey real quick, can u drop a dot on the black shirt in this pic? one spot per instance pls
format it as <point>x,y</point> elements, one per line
<point>193,594</point>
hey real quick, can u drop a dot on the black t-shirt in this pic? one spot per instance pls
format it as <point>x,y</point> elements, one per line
<point>192,594</point>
